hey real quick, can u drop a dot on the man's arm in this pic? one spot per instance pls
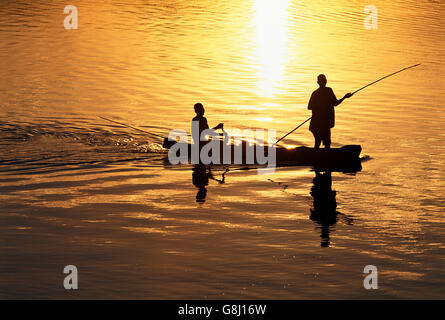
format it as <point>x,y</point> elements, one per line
<point>219,126</point>
<point>205,125</point>
<point>337,102</point>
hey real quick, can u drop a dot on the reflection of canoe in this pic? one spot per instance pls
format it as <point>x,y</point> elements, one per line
<point>346,158</point>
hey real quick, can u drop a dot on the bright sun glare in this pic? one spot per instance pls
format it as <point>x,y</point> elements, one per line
<point>270,19</point>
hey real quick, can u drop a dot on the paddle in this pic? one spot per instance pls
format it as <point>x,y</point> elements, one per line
<point>389,75</point>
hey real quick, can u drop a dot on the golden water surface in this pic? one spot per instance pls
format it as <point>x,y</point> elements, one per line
<point>76,189</point>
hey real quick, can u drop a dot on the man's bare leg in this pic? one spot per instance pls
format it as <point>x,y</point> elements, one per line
<point>317,143</point>
<point>327,140</point>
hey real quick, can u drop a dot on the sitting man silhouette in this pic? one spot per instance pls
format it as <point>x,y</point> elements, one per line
<point>202,124</point>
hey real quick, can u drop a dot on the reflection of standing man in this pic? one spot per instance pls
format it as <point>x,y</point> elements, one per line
<point>325,205</point>
<point>322,103</point>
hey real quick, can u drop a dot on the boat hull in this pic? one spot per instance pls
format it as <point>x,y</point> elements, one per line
<point>346,158</point>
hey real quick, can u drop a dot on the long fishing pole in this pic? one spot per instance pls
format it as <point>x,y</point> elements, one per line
<point>389,75</point>
<point>127,125</point>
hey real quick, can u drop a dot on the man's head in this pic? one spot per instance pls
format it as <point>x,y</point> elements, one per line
<point>199,109</point>
<point>321,80</point>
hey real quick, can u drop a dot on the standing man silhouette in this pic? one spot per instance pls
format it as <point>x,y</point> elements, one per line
<point>322,103</point>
